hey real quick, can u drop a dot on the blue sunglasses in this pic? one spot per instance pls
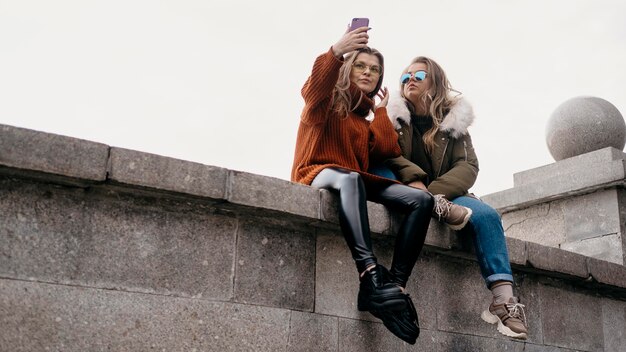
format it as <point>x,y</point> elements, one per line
<point>417,75</point>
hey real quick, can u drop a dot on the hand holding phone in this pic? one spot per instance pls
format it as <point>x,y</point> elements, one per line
<point>352,41</point>
<point>358,22</point>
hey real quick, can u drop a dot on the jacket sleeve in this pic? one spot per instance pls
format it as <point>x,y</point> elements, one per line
<point>462,173</point>
<point>318,88</point>
<point>383,139</point>
<point>405,170</point>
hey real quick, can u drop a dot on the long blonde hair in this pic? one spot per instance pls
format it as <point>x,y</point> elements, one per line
<point>438,98</point>
<point>342,99</point>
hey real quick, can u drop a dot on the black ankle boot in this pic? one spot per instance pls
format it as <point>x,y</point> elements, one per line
<point>376,295</point>
<point>403,323</point>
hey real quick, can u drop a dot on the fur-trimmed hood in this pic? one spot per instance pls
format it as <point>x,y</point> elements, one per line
<point>456,122</point>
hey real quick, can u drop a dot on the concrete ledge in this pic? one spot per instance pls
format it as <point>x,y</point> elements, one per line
<point>578,175</point>
<point>28,150</point>
<point>569,167</point>
<point>235,190</point>
<point>168,254</point>
<point>154,171</point>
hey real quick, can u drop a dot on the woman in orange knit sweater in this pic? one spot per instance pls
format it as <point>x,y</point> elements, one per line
<point>337,141</point>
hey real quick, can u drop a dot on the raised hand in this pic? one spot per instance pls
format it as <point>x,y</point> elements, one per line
<point>383,94</point>
<point>351,41</point>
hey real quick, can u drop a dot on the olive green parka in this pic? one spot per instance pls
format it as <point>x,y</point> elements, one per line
<point>453,158</point>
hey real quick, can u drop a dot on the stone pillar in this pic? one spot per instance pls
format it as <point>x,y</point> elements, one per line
<point>577,203</point>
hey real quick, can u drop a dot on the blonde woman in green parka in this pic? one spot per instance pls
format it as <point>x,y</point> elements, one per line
<point>432,122</point>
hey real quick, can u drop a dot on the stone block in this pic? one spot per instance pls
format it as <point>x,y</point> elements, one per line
<point>518,253</point>
<point>329,206</point>
<point>557,260</point>
<point>275,266</point>
<point>526,288</point>
<point>336,278</point>
<point>45,317</point>
<point>545,190</point>
<point>171,249</point>
<point>162,173</point>
<point>607,248</point>
<point>543,223</point>
<point>441,237</point>
<point>273,194</point>
<point>378,215</point>
<point>607,273</point>
<point>312,332</point>
<point>571,320</point>
<point>337,283</point>
<point>444,342</point>
<point>31,150</point>
<point>460,312</point>
<point>591,215</point>
<point>362,336</point>
<point>614,322</point>
<point>379,219</point>
<point>543,348</point>
<point>422,288</point>
<point>68,235</point>
<point>462,296</point>
<point>569,166</point>
<point>39,225</point>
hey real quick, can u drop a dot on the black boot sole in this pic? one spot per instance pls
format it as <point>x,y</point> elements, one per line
<point>390,301</point>
<point>403,324</point>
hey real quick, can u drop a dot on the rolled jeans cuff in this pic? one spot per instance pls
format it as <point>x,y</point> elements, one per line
<point>498,277</point>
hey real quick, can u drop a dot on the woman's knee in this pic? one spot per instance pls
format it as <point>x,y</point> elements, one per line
<point>350,180</point>
<point>485,212</point>
<point>422,199</point>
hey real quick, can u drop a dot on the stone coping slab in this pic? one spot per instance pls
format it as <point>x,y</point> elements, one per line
<point>577,175</point>
<point>49,154</point>
<point>28,150</point>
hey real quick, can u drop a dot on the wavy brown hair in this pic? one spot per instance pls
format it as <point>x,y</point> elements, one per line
<point>342,99</point>
<point>438,98</point>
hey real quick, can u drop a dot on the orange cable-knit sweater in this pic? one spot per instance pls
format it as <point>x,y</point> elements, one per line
<point>328,140</point>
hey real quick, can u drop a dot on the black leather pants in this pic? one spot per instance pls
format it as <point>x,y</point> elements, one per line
<point>415,203</point>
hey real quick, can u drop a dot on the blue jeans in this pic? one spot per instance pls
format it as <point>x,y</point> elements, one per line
<point>485,228</point>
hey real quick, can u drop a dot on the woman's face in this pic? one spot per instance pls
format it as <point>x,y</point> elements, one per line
<point>414,89</point>
<point>366,72</point>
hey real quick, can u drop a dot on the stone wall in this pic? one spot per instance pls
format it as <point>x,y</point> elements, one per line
<point>109,249</point>
<point>576,204</point>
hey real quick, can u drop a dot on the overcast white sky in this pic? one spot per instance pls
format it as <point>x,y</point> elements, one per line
<point>218,82</point>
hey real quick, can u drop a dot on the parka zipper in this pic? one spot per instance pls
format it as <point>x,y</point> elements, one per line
<point>465,149</point>
<point>443,155</point>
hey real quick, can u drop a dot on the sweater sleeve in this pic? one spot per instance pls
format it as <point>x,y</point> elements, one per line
<point>383,141</point>
<point>318,88</point>
<point>406,171</point>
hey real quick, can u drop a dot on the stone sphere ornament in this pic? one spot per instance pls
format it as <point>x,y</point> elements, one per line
<point>583,124</point>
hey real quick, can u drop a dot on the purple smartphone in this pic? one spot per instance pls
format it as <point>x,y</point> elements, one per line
<point>359,22</point>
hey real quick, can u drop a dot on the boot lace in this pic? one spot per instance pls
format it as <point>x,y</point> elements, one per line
<point>516,310</point>
<point>442,206</point>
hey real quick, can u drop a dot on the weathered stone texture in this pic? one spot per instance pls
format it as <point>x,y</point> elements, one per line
<point>63,318</point>
<point>178,256</point>
<point>68,235</point>
<point>312,332</point>
<point>30,150</point>
<point>273,194</point>
<point>556,260</point>
<point>571,320</point>
<point>275,266</point>
<point>540,224</point>
<point>169,174</point>
<point>614,319</point>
